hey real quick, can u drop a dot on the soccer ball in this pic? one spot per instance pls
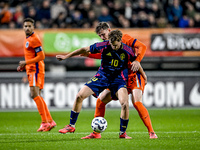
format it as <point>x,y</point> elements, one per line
<point>99,124</point>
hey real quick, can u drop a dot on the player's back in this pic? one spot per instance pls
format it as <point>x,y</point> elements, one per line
<point>31,43</point>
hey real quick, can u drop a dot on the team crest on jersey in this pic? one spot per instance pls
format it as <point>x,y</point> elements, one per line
<point>122,56</point>
<point>27,44</point>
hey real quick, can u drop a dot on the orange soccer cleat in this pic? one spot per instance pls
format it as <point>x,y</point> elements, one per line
<point>44,127</point>
<point>92,136</point>
<point>125,136</point>
<point>66,129</point>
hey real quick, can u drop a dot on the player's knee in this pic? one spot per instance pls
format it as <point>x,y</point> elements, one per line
<point>79,98</point>
<point>124,105</point>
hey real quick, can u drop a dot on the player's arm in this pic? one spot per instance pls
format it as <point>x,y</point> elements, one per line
<point>40,56</point>
<point>95,56</point>
<point>74,53</point>
<point>141,71</point>
<point>138,47</point>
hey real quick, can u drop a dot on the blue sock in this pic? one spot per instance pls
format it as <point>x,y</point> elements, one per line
<point>123,125</point>
<point>73,117</point>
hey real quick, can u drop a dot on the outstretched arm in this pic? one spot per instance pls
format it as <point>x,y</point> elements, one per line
<point>74,53</point>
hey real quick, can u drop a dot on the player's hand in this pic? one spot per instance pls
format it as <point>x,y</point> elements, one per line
<point>22,64</point>
<point>60,57</point>
<point>19,69</point>
<point>85,54</point>
<point>135,66</point>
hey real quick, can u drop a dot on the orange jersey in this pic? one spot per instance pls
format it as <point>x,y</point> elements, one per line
<point>32,47</point>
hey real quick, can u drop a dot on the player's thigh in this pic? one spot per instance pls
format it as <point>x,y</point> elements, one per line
<point>122,95</point>
<point>105,96</point>
<point>135,81</point>
<point>136,95</point>
<point>85,92</point>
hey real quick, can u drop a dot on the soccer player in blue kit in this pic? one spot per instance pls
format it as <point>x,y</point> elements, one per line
<point>112,74</point>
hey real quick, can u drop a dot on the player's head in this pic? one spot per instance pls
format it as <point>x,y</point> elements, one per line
<point>115,39</point>
<point>28,26</point>
<point>102,29</point>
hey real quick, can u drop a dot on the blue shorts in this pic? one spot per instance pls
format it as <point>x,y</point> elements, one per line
<point>99,82</point>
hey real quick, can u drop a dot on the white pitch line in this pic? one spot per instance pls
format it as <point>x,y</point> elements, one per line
<point>53,133</point>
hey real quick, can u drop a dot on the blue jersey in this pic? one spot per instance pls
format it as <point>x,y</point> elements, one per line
<point>114,63</point>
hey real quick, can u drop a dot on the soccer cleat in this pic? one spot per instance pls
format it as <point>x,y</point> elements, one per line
<point>125,136</point>
<point>152,135</point>
<point>92,136</point>
<point>52,125</point>
<point>66,129</point>
<point>44,127</point>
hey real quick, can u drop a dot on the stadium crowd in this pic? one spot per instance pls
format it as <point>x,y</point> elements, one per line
<point>87,13</point>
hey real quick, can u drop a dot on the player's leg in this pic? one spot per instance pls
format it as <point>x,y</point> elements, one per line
<point>48,115</point>
<point>41,108</point>
<point>34,90</point>
<point>142,111</point>
<point>122,95</point>
<point>103,99</point>
<point>137,87</point>
<point>82,94</point>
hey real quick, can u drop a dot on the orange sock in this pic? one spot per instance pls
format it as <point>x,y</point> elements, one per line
<point>41,108</point>
<point>100,108</point>
<point>49,118</point>
<point>144,115</point>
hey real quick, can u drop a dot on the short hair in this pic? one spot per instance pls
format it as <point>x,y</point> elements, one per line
<point>115,35</point>
<point>102,25</point>
<point>29,20</point>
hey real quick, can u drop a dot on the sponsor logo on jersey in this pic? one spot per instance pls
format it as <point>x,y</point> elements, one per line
<point>109,54</point>
<point>27,44</point>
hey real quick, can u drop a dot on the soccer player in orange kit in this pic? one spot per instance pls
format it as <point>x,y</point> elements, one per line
<point>136,82</point>
<point>35,70</point>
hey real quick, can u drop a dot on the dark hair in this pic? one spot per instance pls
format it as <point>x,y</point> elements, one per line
<point>115,35</point>
<point>29,20</point>
<point>102,25</point>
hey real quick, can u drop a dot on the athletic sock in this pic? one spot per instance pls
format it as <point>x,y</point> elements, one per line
<point>48,114</point>
<point>100,108</point>
<point>41,108</point>
<point>144,115</point>
<point>73,118</point>
<point>123,125</point>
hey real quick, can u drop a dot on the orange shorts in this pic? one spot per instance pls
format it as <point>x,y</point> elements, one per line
<point>135,81</point>
<point>36,79</point>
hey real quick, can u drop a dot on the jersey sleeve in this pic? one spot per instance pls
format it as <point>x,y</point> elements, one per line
<point>98,47</point>
<point>35,42</point>
<point>95,56</point>
<point>138,47</point>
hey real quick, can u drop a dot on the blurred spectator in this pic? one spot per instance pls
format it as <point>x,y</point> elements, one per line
<point>174,12</point>
<point>128,10</point>
<point>134,20</point>
<point>44,13</point>
<point>97,7</point>
<point>26,8</point>
<point>77,19</point>
<point>141,7</point>
<point>18,13</point>
<point>105,16</point>
<point>152,21</point>
<point>143,20</point>
<point>5,16</point>
<point>155,10</point>
<point>84,8</point>
<point>32,13</point>
<point>59,22</point>
<point>57,8</point>
<point>197,20</point>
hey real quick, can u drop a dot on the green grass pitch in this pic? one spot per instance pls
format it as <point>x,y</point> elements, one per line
<point>176,129</point>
